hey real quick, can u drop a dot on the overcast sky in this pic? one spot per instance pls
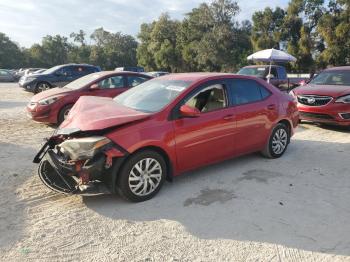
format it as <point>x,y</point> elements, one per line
<point>27,21</point>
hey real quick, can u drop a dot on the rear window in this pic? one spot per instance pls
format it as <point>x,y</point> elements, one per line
<point>244,91</point>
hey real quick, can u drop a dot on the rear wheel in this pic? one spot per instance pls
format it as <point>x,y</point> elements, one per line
<point>142,176</point>
<point>278,142</point>
<point>42,86</point>
<point>63,114</point>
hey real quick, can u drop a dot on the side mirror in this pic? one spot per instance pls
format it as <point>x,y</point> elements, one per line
<point>270,76</point>
<point>188,111</point>
<point>94,87</point>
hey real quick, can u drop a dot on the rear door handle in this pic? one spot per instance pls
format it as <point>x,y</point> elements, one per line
<point>271,107</point>
<point>228,117</point>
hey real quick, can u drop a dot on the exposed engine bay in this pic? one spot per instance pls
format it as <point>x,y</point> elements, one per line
<point>78,162</point>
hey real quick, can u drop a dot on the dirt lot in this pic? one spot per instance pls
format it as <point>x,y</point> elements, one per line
<point>248,209</point>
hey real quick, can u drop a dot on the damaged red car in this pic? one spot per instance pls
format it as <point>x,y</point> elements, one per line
<point>157,130</point>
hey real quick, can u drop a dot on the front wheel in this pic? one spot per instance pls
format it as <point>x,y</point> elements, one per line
<point>278,142</point>
<point>142,176</point>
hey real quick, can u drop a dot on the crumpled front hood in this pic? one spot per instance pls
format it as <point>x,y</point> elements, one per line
<point>323,90</point>
<point>50,93</point>
<point>96,113</point>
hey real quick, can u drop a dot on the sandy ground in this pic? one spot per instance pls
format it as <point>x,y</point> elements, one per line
<point>296,208</point>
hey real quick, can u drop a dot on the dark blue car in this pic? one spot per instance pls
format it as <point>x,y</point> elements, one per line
<point>57,76</point>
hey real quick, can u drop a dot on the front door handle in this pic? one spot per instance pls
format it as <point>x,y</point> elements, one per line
<point>271,107</point>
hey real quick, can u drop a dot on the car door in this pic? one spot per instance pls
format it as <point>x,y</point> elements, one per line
<point>255,109</point>
<point>209,137</point>
<point>110,86</point>
<point>63,76</point>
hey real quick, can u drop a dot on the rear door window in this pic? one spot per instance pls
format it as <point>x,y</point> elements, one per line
<point>66,71</point>
<point>245,91</point>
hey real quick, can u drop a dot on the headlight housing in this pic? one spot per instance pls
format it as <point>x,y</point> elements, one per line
<point>343,99</point>
<point>83,148</point>
<point>49,101</point>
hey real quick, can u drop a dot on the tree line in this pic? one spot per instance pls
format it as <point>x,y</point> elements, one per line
<point>208,38</point>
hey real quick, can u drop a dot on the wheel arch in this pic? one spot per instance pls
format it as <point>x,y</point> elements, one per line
<point>120,162</point>
<point>42,82</point>
<point>288,125</point>
<point>163,153</point>
<point>60,110</point>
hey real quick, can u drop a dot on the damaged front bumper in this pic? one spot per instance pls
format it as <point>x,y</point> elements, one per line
<point>91,176</point>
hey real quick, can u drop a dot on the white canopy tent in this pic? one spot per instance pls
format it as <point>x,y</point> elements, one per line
<point>270,56</point>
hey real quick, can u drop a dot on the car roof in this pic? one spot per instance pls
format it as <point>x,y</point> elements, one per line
<point>257,66</point>
<point>343,68</point>
<point>106,73</point>
<point>195,76</point>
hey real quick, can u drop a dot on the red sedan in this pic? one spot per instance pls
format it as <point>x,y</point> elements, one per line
<point>326,99</point>
<point>162,128</point>
<point>52,106</point>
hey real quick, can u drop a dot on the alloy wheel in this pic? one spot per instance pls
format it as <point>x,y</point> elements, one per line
<point>65,115</point>
<point>43,87</point>
<point>279,141</point>
<point>145,176</point>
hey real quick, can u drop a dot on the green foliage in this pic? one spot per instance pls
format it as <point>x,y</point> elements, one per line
<point>108,50</point>
<point>10,53</point>
<point>267,27</point>
<point>334,27</point>
<point>208,39</point>
<point>316,32</point>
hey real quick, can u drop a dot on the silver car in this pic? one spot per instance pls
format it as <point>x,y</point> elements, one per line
<point>6,76</point>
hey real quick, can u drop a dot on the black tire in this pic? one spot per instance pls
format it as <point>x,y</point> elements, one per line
<point>123,183</point>
<point>63,113</point>
<point>270,150</point>
<point>41,86</point>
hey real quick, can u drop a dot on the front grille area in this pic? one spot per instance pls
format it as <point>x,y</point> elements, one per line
<point>345,116</point>
<point>313,100</point>
<point>316,116</point>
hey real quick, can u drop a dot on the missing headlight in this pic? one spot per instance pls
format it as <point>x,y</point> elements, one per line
<point>83,148</point>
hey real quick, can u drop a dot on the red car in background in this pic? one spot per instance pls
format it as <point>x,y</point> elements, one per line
<point>162,128</point>
<point>326,98</point>
<point>52,106</point>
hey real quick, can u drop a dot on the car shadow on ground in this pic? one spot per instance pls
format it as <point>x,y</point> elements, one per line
<point>11,104</point>
<point>282,201</point>
<point>340,129</point>
<point>12,213</point>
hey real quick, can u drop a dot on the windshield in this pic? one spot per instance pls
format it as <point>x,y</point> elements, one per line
<point>83,81</point>
<point>153,95</point>
<point>52,69</point>
<point>340,78</point>
<point>253,71</point>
